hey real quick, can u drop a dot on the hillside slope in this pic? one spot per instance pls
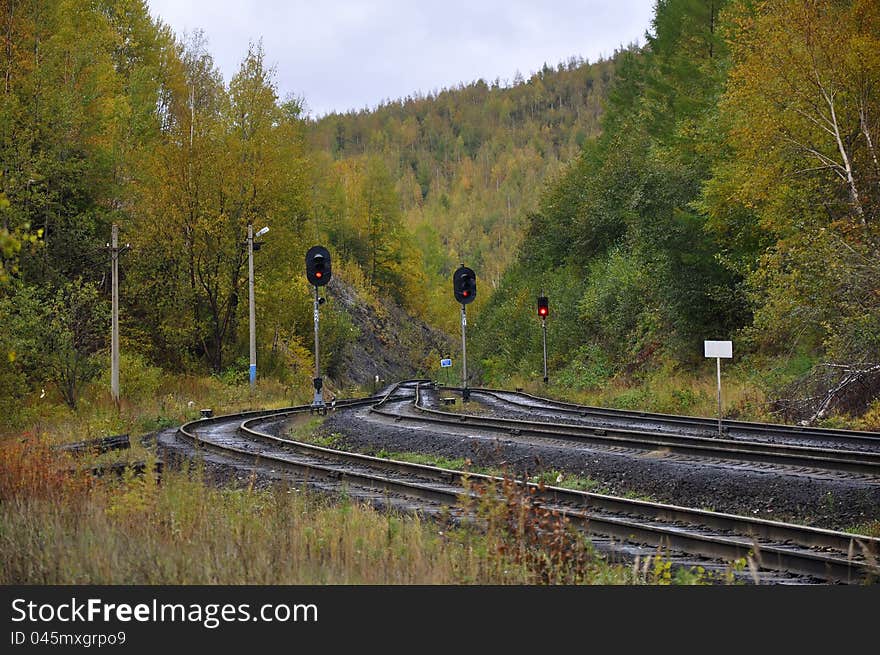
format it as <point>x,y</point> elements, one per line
<point>389,343</point>
<point>466,166</point>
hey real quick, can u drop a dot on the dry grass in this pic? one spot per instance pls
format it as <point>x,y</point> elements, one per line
<point>175,401</point>
<point>63,528</point>
<point>665,392</point>
<point>58,528</point>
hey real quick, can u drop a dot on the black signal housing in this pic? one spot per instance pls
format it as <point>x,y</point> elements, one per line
<point>543,307</point>
<point>464,285</point>
<point>318,266</point>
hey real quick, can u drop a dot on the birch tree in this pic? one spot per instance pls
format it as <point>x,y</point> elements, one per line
<point>803,89</point>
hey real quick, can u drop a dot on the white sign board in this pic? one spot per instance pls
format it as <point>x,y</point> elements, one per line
<point>445,363</point>
<point>723,349</point>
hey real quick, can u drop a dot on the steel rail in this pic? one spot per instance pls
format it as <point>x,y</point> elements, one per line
<point>746,451</point>
<point>706,424</point>
<point>855,558</point>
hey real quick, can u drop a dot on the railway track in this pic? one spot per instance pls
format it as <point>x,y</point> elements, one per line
<point>692,425</point>
<point>861,463</point>
<point>799,550</point>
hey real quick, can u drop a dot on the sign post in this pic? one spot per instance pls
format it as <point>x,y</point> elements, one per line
<point>465,392</point>
<point>719,350</point>
<point>446,363</point>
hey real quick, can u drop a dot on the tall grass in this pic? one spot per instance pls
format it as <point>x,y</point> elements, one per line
<point>58,528</point>
<point>176,399</point>
<point>668,392</point>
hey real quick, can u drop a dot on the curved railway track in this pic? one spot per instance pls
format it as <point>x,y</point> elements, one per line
<point>691,425</point>
<point>804,551</point>
<point>862,463</point>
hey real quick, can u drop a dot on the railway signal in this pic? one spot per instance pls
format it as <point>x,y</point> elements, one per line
<point>318,269</point>
<point>543,312</point>
<point>464,287</point>
<point>543,307</point>
<point>318,272</point>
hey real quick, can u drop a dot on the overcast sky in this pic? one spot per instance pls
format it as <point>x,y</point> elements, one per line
<point>349,54</point>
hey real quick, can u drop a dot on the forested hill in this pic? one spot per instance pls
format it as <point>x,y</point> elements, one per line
<point>734,193</point>
<point>467,163</point>
<point>109,118</point>
<point>720,182</point>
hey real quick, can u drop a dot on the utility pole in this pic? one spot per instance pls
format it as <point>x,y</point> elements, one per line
<point>114,325</point>
<point>252,319</point>
<point>252,312</point>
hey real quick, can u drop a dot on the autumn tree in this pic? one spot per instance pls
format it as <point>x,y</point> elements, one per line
<point>796,200</point>
<point>803,97</point>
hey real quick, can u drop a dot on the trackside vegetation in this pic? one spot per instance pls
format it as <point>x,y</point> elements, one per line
<point>719,181</point>
<point>62,528</point>
<point>732,193</point>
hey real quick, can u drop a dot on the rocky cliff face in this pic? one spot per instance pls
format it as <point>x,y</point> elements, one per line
<point>391,344</point>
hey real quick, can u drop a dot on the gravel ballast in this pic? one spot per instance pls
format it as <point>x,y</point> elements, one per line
<point>834,502</point>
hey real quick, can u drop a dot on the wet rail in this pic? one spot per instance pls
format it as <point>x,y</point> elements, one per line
<point>818,553</point>
<point>865,464</point>
<point>693,425</point>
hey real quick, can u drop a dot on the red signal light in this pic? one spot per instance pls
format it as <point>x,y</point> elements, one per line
<point>543,307</point>
<point>464,285</point>
<point>318,270</point>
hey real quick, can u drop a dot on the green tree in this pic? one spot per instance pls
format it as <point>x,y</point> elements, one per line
<point>58,338</point>
<point>802,101</point>
<point>795,200</point>
<point>621,223</point>
<point>228,158</point>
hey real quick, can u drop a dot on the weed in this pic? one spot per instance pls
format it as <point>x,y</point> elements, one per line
<point>457,464</point>
<point>828,502</point>
<point>869,529</point>
<point>530,541</point>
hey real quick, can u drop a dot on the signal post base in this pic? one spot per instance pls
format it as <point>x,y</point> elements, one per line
<point>318,405</point>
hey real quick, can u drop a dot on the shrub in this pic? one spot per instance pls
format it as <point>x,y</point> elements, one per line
<point>589,368</point>
<point>138,379</point>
